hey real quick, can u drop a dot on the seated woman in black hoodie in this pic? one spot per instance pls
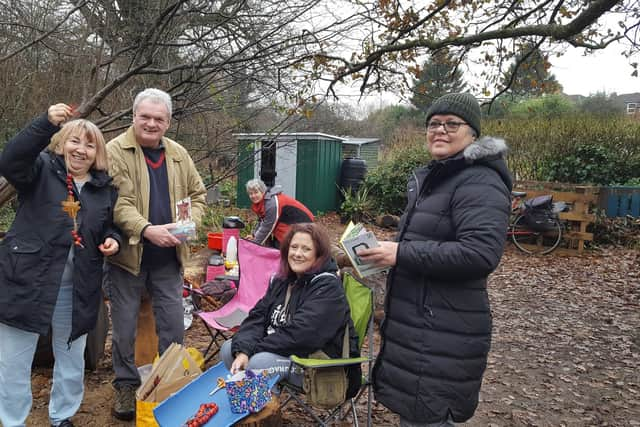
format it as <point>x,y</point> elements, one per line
<point>304,311</point>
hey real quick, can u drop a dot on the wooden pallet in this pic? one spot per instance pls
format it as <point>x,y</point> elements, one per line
<point>581,200</point>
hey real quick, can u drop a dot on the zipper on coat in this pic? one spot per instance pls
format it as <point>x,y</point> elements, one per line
<point>427,297</point>
<point>415,204</point>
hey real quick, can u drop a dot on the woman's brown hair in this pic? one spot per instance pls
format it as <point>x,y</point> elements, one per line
<point>78,128</point>
<point>321,243</point>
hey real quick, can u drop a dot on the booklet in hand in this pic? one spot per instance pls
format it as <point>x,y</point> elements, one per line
<point>355,238</point>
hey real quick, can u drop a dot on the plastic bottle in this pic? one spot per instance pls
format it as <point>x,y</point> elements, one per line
<point>231,258</point>
<point>231,227</point>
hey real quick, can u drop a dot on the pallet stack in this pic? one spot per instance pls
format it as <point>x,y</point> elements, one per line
<point>581,201</point>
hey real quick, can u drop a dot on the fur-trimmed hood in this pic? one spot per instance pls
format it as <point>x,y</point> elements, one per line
<point>488,151</point>
<point>485,147</point>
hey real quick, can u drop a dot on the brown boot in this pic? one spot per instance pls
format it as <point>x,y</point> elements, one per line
<point>124,403</point>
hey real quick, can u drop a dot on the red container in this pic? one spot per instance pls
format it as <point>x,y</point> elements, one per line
<point>214,241</point>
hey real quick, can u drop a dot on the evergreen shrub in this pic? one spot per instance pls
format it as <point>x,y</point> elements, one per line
<point>387,183</point>
<point>578,149</point>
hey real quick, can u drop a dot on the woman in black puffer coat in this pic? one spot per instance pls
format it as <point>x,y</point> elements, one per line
<point>51,265</point>
<point>437,327</point>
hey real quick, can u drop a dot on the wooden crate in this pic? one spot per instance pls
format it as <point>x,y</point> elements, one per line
<point>581,200</point>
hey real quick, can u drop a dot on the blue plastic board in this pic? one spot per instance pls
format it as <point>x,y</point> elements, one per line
<point>613,201</point>
<point>177,409</point>
<point>624,205</point>
<point>620,201</point>
<point>635,205</point>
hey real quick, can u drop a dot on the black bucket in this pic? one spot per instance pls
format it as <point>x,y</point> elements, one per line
<point>352,174</point>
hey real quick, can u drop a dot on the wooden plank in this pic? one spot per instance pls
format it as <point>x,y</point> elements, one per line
<point>578,235</point>
<point>583,229</point>
<point>558,186</point>
<point>576,216</point>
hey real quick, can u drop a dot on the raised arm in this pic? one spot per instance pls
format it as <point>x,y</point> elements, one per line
<point>19,162</point>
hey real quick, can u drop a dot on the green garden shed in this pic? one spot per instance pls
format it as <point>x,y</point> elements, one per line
<point>306,165</point>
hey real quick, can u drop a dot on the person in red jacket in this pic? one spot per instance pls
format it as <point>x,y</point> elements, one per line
<point>276,213</point>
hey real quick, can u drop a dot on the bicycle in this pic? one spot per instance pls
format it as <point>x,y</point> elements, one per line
<point>527,239</point>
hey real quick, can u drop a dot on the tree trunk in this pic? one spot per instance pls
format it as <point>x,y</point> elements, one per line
<point>146,338</point>
<point>269,416</point>
<point>388,221</point>
<point>6,191</point>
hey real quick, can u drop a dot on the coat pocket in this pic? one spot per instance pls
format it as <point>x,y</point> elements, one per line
<point>23,259</point>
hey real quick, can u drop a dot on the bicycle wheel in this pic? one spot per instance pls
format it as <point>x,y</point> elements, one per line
<point>535,242</point>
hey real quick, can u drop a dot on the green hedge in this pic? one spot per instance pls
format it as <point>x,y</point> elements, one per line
<point>578,149</point>
<point>575,149</point>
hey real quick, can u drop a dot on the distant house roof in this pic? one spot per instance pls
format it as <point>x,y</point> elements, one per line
<point>295,135</point>
<point>358,141</point>
<point>629,97</point>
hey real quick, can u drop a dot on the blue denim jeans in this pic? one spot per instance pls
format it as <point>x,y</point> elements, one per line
<point>17,349</point>
<point>273,363</point>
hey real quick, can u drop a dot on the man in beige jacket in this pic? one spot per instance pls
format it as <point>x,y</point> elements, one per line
<point>151,173</point>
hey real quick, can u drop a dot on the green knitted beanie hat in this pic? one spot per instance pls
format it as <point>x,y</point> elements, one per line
<point>463,105</point>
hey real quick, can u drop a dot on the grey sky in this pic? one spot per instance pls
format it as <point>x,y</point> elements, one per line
<point>604,71</point>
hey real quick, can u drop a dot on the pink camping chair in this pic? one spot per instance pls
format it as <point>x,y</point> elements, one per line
<point>257,265</point>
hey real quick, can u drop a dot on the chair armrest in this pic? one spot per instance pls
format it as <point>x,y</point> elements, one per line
<point>327,363</point>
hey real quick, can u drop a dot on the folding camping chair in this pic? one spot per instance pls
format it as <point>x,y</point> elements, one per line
<point>257,265</point>
<point>360,299</point>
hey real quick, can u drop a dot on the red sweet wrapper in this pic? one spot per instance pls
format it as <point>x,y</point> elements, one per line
<point>74,111</point>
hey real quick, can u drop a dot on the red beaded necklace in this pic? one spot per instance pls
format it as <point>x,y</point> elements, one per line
<point>71,206</point>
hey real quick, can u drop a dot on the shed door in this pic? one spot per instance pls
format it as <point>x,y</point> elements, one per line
<point>268,163</point>
<point>286,160</point>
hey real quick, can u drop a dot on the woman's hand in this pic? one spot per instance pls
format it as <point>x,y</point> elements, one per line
<point>59,113</point>
<point>240,363</point>
<point>109,247</point>
<point>382,256</point>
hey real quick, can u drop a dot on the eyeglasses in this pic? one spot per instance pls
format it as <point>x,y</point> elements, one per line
<point>449,126</point>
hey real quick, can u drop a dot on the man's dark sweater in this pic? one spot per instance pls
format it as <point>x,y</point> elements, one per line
<point>159,206</point>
